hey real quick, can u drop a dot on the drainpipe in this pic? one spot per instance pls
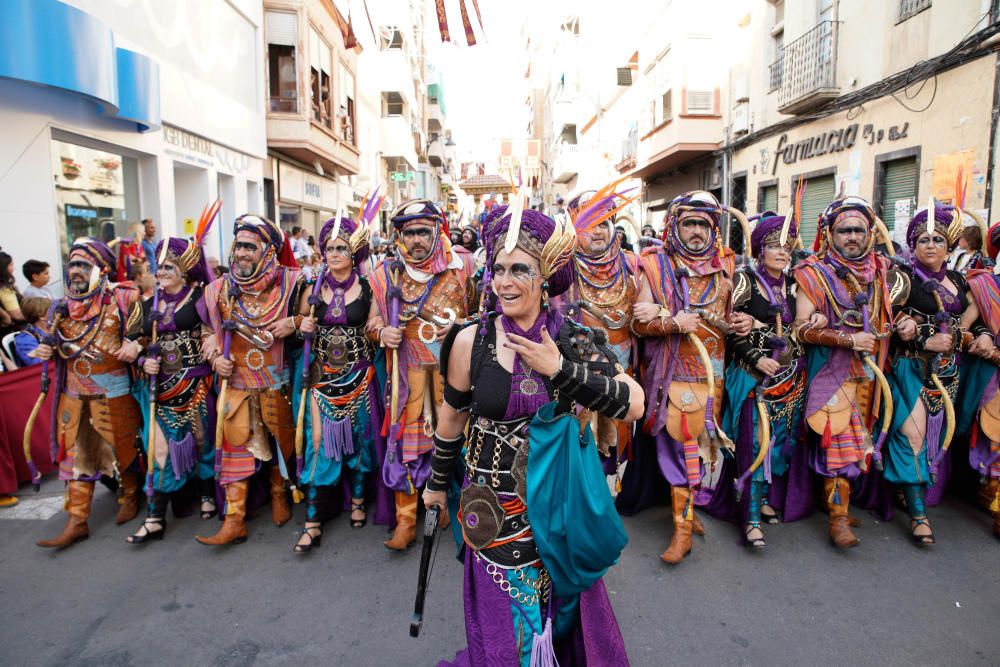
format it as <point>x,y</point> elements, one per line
<point>994,117</point>
<point>726,185</point>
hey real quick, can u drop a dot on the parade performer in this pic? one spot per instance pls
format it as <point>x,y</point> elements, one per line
<point>682,309</point>
<point>843,315</point>
<point>765,383</point>
<point>925,369</point>
<point>602,296</point>
<point>418,296</point>
<point>178,392</point>
<point>978,408</point>
<point>96,419</point>
<point>342,411</point>
<point>529,481</point>
<point>252,310</point>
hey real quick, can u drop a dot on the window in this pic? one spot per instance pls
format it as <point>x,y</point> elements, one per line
<point>777,69</point>
<point>392,38</point>
<point>97,193</point>
<point>700,103</point>
<point>319,79</point>
<point>908,8</point>
<point>345,112</point>
<point>665,107</point>
<point>392,104</point>
<point>282,35</point>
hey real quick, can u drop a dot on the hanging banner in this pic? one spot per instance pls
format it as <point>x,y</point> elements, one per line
<point>479,17</point>
<point>442,14</point>
<point>470,37</point>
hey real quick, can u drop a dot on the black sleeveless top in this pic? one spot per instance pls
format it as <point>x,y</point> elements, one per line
<point>357,310</point>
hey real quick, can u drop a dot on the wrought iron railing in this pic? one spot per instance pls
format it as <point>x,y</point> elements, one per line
<point>806,65</point>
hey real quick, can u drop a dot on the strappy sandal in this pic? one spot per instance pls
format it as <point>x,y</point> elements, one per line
<point>314,540</point>
<point>774,518</point>
<point>144,534</point>
<point>358,507</point>
<point>754,543</point>
<point>207,514</point>
<point>921,540</point>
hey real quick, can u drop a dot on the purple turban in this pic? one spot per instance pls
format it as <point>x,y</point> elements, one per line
<point>97,253</point>
<point>347,227</point>
<point>536,229</point>
<point>769,223</point>
<point>196,271</point>
<point>943,219</point>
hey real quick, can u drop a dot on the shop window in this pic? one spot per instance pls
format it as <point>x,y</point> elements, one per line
<point>282,36</point>
<point>347,110</point>
<point>97,193</point>
<point>288,217</point>
<point>320,79</point>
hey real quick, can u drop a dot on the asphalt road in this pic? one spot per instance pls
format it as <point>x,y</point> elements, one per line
<point>798,602</point>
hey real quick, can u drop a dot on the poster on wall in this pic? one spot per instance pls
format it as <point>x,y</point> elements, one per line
<point>946,170</point>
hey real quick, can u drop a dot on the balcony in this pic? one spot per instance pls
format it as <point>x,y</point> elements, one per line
<point>390,72</point>
<point>397,139</point>
<point>569,112</point>
<point>566,163</point>
<point>435,153</point>
<point>434,116</point>
<point>805,74</point>
<point>307,141</point>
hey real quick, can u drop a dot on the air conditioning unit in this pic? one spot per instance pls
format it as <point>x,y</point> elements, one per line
<point>700,103</point>
<point>741,119</point>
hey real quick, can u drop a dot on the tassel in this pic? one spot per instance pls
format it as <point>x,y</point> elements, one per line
<point>835,496</point>
<point>933,439</point>
<point>182,455</point>
<point>337,438</point>
<point>297,495</point>
<point>688,509</point>
<point>543,653</point>
<point>685,431</point>
<point>827,438</point>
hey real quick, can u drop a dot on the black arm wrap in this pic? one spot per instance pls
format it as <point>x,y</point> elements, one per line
<point>599,393</point>
<point>461,401</point>
<point>445,452</point>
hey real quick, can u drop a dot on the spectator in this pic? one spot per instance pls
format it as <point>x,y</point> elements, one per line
<point>149,243</point>
<point>213,263</point>
<point>220,270</point>
<point>455,236</point>
<point>470,239</point>
<point>648,232</point>
<point>300,248</point>
<point>37,274</point>
<point>625,244</point>
<point>10,298</point>
<point>35,309</point>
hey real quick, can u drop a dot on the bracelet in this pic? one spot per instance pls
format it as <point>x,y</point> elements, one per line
<point>297,321</point>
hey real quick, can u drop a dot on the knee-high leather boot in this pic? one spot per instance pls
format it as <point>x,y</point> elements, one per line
<point>406,522</point>
<point>128,504</point>
<point>680,543</point>
<point>234,529</point>
<point>281,512</point>
<point>838,498</point>
<point>78,497</point>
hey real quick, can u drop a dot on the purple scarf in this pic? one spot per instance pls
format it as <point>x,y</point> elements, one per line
<point>166,318</point>
<point>775,288</point>
<point>932,283</point>
<point>336,312</point>
<point>528,391</point>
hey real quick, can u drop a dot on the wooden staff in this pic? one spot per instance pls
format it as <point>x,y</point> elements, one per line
<point>36,476</point>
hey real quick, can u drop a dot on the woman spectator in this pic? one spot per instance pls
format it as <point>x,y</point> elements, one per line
<point>10,298</point>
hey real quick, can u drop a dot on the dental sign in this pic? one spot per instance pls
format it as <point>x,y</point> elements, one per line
<point>833,141</point>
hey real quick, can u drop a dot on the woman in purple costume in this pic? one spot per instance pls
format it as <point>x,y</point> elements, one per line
<point>500,375</point>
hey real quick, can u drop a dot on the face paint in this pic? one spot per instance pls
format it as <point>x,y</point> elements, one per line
<point>519,271</point>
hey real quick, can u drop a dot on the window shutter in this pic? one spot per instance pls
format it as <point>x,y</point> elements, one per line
<point>282,28</point>
<point>899,183</point>
<point>820,191</point>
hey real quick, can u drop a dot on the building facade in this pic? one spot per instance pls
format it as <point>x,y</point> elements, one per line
<point>110,115</point>
<point>819,103</point>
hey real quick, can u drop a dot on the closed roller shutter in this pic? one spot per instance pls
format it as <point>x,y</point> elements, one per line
<point>768,199</point>
<point>899,183</point>
<point>818,195</point>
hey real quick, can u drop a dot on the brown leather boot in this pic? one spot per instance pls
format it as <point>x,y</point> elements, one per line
<point>838,498</point>
<point>79,495</point>
<point>234,530</point>
<point>281,512</point>
<point>697,527</point>
<point>128,504</point>
<point>680,543</point>
<point>406,522</point>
